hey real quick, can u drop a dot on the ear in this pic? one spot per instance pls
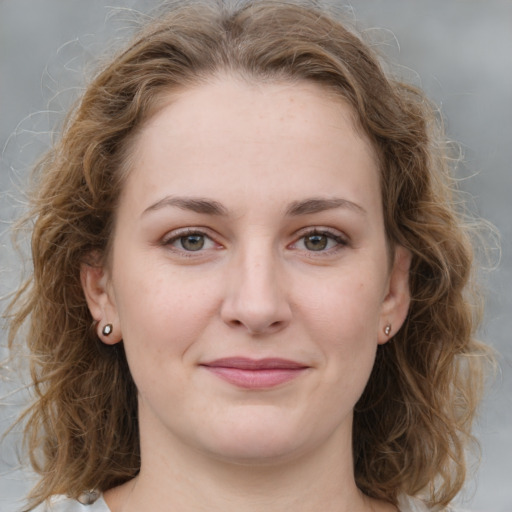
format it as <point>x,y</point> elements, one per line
<point>397,300</point>
<point>98,294</point>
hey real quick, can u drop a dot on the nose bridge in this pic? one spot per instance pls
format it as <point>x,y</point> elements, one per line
<point>256,298</point>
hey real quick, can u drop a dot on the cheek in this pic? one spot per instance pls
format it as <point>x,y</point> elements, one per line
<point>159,326</point>
<point>161,312</point>
<point>343,318</point>
<point>348,307</point>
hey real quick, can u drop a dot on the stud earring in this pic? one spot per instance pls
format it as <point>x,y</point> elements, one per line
<point>89,497</point>
<point>387,330</point>
<point>107,330</point>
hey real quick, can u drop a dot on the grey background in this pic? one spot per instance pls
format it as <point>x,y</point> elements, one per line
<point>459,51</point>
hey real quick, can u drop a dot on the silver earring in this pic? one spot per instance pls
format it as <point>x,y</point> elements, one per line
<point>107,330</point>
<point>387,330</point>
<point>89,497</point>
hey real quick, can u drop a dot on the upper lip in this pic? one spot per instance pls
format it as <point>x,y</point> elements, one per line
<point>245,363</point>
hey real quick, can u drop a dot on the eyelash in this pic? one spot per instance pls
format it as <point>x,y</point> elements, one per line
<point>174,237</point>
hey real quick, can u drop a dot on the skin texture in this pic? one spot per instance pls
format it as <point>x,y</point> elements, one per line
<point>257,177</point>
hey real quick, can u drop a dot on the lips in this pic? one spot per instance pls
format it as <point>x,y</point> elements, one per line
<point>255,373</point>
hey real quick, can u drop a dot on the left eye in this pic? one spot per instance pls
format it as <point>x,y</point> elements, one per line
<point>318,241</point>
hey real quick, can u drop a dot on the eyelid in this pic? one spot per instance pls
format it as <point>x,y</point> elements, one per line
<point>178,233</point>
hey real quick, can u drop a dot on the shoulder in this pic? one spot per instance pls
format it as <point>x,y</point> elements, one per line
<point>410,504</point>
<point>65,504</point>
<point>413,504</point>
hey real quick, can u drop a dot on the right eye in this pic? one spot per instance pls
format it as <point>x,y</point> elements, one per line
<point>190,241</point>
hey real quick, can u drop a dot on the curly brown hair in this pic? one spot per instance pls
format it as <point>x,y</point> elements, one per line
<point>413,421</point>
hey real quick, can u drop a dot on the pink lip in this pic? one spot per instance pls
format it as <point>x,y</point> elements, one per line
<point>255,373</point>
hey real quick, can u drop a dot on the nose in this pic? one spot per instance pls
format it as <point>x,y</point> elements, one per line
<point>256,298</point>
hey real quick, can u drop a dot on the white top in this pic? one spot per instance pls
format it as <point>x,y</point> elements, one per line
<point>64,504</point>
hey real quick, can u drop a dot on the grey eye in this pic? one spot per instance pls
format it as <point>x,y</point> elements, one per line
<point>192,242</point>
<point>316,242</point>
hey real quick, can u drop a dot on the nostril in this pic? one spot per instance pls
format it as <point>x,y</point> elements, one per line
<point>257,307</point>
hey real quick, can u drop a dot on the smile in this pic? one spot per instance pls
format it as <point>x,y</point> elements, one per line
<point>255,373</point>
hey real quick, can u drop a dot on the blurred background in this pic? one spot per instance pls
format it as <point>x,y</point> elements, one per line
<point>458,51</point>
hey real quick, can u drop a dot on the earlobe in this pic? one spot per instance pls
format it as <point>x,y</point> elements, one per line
<point>396,303</point>
<point>95,284</point>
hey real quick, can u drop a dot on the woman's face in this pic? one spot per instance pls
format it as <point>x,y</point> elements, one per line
<point>250,279</point>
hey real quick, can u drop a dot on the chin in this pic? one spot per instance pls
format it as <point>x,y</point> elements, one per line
<point>256,454</point>
<point>257,441</point>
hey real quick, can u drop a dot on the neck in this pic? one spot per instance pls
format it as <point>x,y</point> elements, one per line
<point>182,479</point>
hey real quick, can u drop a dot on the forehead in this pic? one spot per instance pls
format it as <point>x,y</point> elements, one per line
<point>227,132</point>
<point>298,100</point>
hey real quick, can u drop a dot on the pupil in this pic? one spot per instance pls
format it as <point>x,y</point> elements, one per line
<point>192,242</point>
<point>316,242</point>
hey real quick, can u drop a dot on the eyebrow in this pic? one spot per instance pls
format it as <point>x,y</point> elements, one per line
<point>317,205</point>
<point>195,204</point>
<point>211,207</point>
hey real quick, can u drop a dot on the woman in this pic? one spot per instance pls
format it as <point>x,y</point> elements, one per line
<point>251,284</point>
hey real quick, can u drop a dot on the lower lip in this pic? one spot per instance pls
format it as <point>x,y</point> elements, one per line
<point>255,379</point>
